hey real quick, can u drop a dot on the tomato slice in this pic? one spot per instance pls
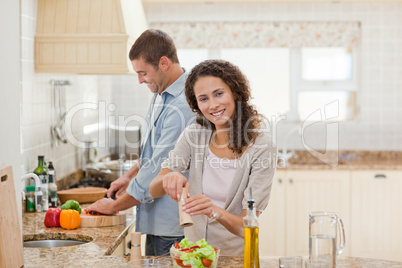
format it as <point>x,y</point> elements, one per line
<point>193,247</point>
<point>176,245</point>
<point>206,262</point>
<point>180,263</point>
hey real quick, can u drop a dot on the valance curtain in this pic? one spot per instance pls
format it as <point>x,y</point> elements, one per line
<point>215,35</point>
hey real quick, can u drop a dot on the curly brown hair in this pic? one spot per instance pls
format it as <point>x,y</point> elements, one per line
<point>246,120</point>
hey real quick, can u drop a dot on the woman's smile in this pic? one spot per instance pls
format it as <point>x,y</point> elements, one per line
<point>215,100</point>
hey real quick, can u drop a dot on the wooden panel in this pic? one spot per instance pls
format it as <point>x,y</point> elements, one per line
<point>93,53</point>
<point>60,16</point>
<point>82,53</point>
<point>71,53</point>
<point>118,53</point>
<point>105,53</point>
<point>72,16</point>
<point>106,16</point>
<point>11,253</point>
<point>83,16</point>
<point>272,220</point>
<point>377,214</point>
<point>47,53</point>
<point>49,16</point>
<point>94,16</point>
<point>313,191</point>
<point>40,17</point>
<point>117,18</point>
<point>59,53</point>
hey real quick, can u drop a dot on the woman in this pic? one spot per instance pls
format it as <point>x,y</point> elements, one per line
<point>226,154</point>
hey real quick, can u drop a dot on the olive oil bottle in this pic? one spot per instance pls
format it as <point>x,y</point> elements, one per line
<point>43,174</point>
<point>251,227</point>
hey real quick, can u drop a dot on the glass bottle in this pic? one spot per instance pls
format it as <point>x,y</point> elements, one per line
<point>251,227</point>
<point>52,186</point>
<point>43,174</point>
<point>30,198</point>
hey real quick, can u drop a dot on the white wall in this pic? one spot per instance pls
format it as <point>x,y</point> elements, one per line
<point>378,125</point>
<point>10,90</point>
<point>36,113</point>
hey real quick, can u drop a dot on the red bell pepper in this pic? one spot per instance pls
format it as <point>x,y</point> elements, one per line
<point>52,217</point>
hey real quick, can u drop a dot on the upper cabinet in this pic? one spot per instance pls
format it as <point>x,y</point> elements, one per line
<point>87,36</point>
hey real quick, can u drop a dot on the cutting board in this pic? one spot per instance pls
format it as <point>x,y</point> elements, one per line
<point>102,220</point>
<point>11,252</point>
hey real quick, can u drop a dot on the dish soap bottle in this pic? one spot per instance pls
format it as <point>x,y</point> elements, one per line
<point>52,186</point>
<point>250,224</point>
<point>43,174</point>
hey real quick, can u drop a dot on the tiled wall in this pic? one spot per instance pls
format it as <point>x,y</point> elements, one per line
<point>377,126</point>
<point>36,102</point>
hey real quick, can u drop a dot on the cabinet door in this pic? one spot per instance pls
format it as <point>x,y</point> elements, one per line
<point>377,214</point>
<point>313,191</point>
<point>272,225</point>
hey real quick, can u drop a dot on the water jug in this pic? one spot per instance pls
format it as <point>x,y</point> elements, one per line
<point>326,237</point>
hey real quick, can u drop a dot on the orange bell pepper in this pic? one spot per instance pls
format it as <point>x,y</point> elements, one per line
<point>70,219</point>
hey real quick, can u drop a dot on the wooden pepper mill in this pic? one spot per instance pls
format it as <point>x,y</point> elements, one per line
<point>135,246</point>
<point>185,219</point>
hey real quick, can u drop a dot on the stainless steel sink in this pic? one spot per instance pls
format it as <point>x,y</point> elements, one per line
<point>54,240</point>
<point>52,243</point>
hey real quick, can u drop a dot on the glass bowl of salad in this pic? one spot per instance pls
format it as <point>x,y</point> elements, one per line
<point>194,255</point>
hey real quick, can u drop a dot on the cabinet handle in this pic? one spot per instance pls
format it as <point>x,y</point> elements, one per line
<point>280,180</point>
<point>291,180</point>
<point>380,177</point>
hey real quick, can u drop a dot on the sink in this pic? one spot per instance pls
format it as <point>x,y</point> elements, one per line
<point>54,240</point>
<point>50,243</point>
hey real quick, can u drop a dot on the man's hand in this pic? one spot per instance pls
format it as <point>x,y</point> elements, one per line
<point>118,187</point>
<point>104,206</point>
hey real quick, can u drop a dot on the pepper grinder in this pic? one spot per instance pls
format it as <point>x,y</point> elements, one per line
<point>185,219</point>
<point>135,246</point>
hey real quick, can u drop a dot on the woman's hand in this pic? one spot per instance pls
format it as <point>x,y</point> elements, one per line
<point>200,205</point>
<point>173,183</point>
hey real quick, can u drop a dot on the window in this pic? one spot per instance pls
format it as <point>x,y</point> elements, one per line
<point>295,82</point>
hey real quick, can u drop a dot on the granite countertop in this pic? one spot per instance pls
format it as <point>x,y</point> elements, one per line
<point>94,253</point>
<point>345,160</point>
<point>106,239</point>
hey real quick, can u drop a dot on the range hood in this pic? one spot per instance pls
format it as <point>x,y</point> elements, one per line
<point>87,36</point>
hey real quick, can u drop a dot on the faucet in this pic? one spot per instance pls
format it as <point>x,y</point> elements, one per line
<point>31,175</point>
<point>284,155</point>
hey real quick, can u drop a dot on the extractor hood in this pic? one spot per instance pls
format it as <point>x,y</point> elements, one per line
<point>87,36</point>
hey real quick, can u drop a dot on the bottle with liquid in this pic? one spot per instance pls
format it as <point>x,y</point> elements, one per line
<point>43,174</point>
<point>30,198</point>
<point>38,200</point>
<point>251,227</point>
<point>52,186</point>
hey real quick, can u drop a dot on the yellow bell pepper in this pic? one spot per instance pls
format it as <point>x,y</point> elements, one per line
<point>70,219</point>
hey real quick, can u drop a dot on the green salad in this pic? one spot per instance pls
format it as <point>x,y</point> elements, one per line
<point>198,255</point>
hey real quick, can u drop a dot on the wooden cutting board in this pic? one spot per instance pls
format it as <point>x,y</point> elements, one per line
<point>102,220</point>
<point>11,252</point>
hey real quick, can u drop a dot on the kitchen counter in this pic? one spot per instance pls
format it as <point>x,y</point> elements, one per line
<point>105,239</point>
<point>345,160</point>
<point>94,253</point>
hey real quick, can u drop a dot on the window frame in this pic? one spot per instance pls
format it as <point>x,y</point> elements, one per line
<point>297,84</point>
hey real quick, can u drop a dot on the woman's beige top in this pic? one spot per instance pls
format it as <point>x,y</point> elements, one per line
<point>255,169</point>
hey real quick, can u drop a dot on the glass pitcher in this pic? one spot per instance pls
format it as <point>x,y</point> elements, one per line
<point>326,237</point>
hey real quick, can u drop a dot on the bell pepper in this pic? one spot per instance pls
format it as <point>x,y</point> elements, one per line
<point>52,217</point>
<point>70,219</point>
<point>72,204</point>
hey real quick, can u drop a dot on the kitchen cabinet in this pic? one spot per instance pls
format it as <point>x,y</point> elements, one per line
<point>376,226</point>
<point>284,226</point>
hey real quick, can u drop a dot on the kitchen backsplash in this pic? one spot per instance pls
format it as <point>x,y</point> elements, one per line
<point>123,91</point>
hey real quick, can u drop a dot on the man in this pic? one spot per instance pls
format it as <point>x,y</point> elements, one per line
<point>154,59</point>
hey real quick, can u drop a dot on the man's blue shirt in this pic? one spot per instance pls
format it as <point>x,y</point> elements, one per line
<point>160,216</point>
